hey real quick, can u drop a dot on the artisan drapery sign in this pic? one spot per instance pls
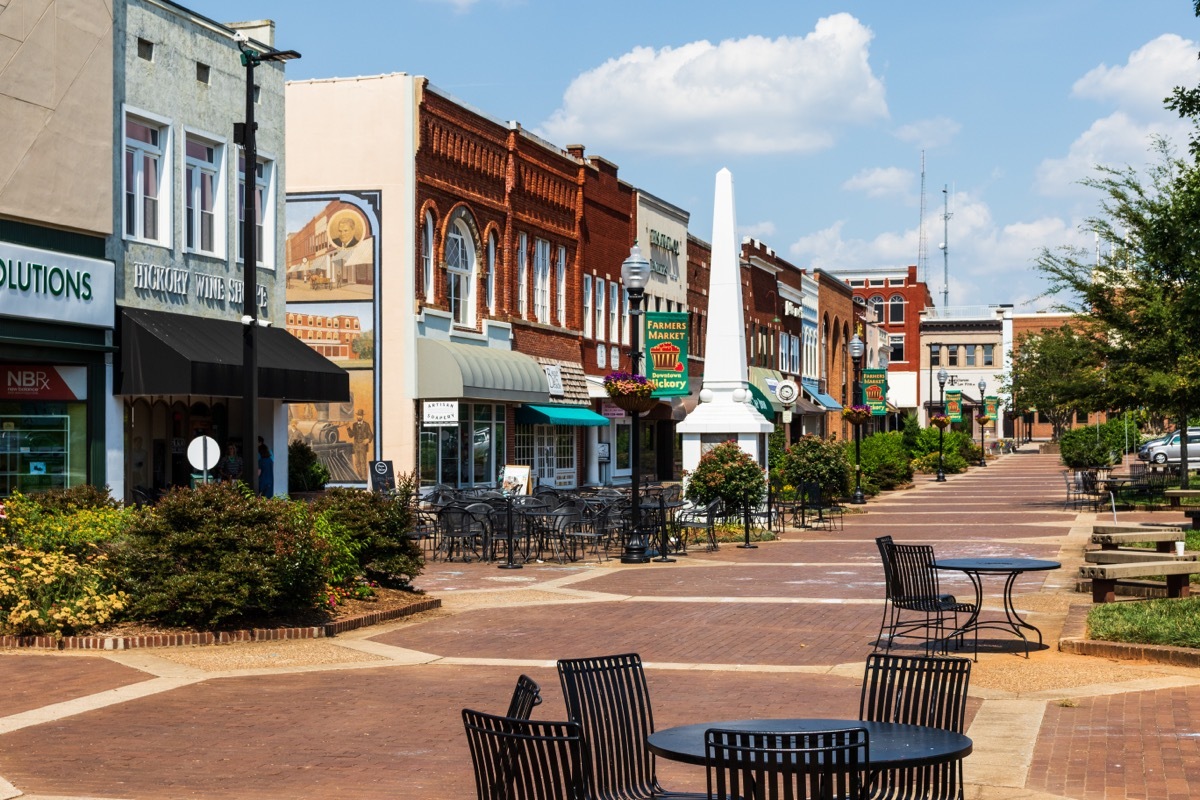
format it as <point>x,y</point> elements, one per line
<point>436,413</point>
<point>56,287</point>
<point>874,389</point>
<point>666,353</point>
<point>954,405</point>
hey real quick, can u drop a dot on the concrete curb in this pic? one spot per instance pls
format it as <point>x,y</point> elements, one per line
<point>1074,640</point>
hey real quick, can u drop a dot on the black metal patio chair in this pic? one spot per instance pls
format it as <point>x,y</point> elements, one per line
<point>609,698</point>
<point>526,696</point>
<point>821,765</point>
<point>917,690</point>
<point>520,759</point>
<point>914,604</point>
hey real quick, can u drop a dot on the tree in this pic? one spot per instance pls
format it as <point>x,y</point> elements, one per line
<point>1057,372</point>
<point>1145,292</point>
<point>1187,103</point>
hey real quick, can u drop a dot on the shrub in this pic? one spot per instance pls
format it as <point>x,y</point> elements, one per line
<point>1083,448</point>
<point>306,473</point>
<point>885,462</point>
<point>821,461</point>
<point>218,555</point>
<point>377,528</point>
<point>726,472</point>
<point>46,523</point>
<point>953,463</point>
<point>75,498</point>
<point>55,593</point>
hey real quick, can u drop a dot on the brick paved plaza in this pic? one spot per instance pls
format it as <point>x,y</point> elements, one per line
<point>778,631</point>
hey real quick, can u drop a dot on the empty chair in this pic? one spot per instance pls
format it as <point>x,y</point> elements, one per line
<point>917,690</point>
<point>1073,494</point>
<point>526,696</point>
<point>701,521</point>
<point>915,605</point>
<point>822,765</point>
<point>608,697</point>
<point>519,759</point>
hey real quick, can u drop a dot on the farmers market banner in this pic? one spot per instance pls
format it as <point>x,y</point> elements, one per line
<point>874,389</point>
<point>954,405</point>
<point>991,405</point>
<point>666,352</point>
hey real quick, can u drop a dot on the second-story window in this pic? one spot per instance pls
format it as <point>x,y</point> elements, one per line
<point>262,243</point>
<point>970,353</point>
<point>541,280</point>
<point>896,308</point>
<point>989,355</point>
<point>201,196</point>
<point>600,293</point>
<point>522,275</point>
<point>614,311</point>
<point>490,289</point>
<point>560,285</point>
<point>875,308</point>
<point>144,170</point>
<point>460,274</point>
<point>952,355</point>
<point>587,305</point>
<point>935,355</point>
<point>427,256</point>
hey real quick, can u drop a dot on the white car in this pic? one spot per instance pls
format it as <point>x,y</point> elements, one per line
<point>1168,452</point>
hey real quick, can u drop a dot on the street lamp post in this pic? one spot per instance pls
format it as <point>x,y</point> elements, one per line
<point>983,411</point>
<point>244,134</point>
<point>856,348</point>
<point>635,273</point>
<point>942,377</point>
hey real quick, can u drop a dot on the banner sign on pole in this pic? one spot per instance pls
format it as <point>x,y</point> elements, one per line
<point>991,405</point>
<point>665,350</point>
<point>874,389</point>
<point>954,405</point>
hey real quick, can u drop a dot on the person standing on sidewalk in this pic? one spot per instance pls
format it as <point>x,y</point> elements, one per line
<point>266,472</point>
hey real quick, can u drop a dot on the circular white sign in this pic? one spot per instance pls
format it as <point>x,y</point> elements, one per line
<point>203,453</point>
<point>787,391</point>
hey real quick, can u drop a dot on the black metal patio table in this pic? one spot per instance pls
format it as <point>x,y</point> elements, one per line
<point>891,744</point>
<point>1012,568</point>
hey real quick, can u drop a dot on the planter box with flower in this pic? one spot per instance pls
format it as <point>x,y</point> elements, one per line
<point>633,393</point>
<point>857,414</point>
<point>939,421</point>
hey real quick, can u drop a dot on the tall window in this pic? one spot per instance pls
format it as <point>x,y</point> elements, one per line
<point>614,311</point>
<point>875,308</point>
<point>262,243</point>
<point>144,170</point>
<point>460,273</point>
<point>587,305</point>
<point>785,352</point>
<point>970,352</point>
<point>541,280</point>
<point>952,355</point>
<point>491,274</point>
<point>935,355</point>
<point>795,355</point>
<point>427,257</point>
<point>522,275</point>
<point>200,187</point>
<point>560,285</point>
<point>989,355</point>
<point>896,308</point>
<point>600,290</point>
<point>897,354</point>
<point>624,316</point>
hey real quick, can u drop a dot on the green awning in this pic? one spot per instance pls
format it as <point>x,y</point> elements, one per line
<point>560,415</point>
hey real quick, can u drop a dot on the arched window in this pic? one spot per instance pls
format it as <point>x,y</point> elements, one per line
<point>896,308</point>
<point>490,290</point>
<point>460,271</point>
<point>427,257</point>
<point>875,309</point>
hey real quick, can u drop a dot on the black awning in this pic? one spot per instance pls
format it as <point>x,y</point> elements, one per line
<point>164,353</point>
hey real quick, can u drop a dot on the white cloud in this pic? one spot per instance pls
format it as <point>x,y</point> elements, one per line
<point>1116,140</point>
<point>929,133</point>
<point>757,230</point>
<point>881,182</point>
<point>459,6</point>
<point>751,95</point>
<point>1152,71</point>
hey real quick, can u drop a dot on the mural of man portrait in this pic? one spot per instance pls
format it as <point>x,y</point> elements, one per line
<point>360,436</point>
<point>345,230</point>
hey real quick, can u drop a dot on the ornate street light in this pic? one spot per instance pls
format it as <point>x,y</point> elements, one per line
<point>983,411</point>
<point>244,134</point>
<point>942,377</point>
<point>635,274</point>
<point>856,348</point>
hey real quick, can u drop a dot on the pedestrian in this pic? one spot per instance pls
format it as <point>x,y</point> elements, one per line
<point>231,465</point>
<point>266,472</point>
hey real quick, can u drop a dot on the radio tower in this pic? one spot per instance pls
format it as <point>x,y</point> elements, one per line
<point>922,247</point>
<point>945,246</point>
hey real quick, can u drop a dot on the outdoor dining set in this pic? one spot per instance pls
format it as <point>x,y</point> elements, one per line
<point>905,741</point>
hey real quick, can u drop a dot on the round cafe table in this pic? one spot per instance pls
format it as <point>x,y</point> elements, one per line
<point>1011,568</point>
<point>891,744</point>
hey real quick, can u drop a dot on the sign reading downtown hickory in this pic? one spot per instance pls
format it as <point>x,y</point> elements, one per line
<point>954,405</point>
<point>666,352</point>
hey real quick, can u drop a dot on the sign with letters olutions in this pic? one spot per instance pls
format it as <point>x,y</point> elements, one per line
<point>56,287</point>
<point>954,405</point>
<point>874,389</point>
<point>665,349</point>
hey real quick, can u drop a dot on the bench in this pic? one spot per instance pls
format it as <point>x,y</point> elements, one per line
<point>1125,555</point>
<point>1176,495</point>
<point>1110,537</point>
<point>1104,577</point>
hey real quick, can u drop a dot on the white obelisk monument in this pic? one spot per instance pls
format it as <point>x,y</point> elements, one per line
<point>724,412</point>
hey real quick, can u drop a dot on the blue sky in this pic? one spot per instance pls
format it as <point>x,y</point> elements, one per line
<point>820,110</point>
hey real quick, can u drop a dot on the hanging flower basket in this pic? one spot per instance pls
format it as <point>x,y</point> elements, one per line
<point>983,419</point>
<point>633,393</point>
<point>857,415</point>
<point>940,421</point>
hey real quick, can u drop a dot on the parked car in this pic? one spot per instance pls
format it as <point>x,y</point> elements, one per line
<point>1167,452</point>
<point>1143,451</point>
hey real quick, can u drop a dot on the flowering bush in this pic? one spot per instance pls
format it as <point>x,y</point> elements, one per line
<point>939,420</point>
<point>820,461</point>
<point>624,384</point>
<point>56,593</point>
<point>38,522</point>
<point>726,472</point>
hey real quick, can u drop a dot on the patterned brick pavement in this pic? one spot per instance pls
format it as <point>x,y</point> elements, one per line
<point>780,630</point>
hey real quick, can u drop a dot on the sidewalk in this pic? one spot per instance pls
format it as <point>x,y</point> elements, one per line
<point>775,631</point>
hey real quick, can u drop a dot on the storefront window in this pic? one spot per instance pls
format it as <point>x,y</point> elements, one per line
<point>42,448</point>
<point>549,451</point>
<point>468,454</point>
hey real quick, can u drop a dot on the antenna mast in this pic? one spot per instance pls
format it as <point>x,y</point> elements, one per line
<point>945,245</point>
<point>922,247</point>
